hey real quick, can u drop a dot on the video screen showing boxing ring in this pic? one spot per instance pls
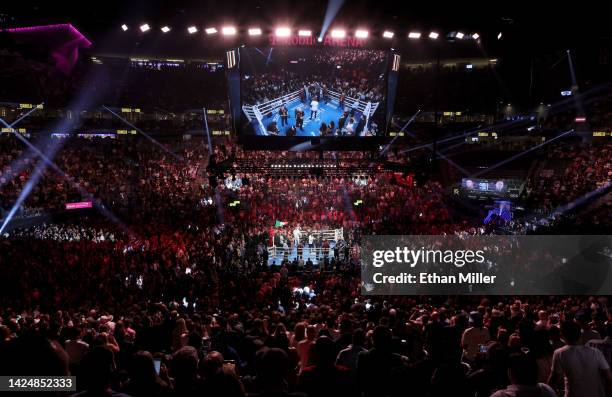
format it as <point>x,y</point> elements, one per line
<point>313,92</point>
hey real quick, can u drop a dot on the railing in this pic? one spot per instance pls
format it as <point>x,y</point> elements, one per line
<point>325,234</point>
<point>275,104</point>
<point>258,112</point>
<point>367,109</point>
<point>304,253</point>
<point>348,101</point>
<point>315,254</point>
<point>248,111</point>
<point>251,113</point>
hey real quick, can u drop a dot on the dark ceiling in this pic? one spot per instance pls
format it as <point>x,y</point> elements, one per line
<point>533,32</point>
<point>556,21</point>
<point>536,35</point>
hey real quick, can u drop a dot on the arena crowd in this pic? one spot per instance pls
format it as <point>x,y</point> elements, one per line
<point>184,282</point>
<point>165,288</point>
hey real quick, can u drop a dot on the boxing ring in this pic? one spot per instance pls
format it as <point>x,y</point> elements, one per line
<point>260,116</point>
<point>279,252</point>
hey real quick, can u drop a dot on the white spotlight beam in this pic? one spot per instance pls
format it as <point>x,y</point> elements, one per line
<point>46,159</point>
<point>333,6</point>
<point>512,158</point>
<point>34,178</point>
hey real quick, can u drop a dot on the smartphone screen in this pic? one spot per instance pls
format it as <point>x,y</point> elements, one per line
<point>157,364</point>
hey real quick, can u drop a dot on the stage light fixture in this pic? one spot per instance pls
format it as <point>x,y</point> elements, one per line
<point>283,32</point>
<point>414,35</point>
<point>192,29</point>
<point>361,34</point>
<point>387,34</point>
<point>434,35</point>
<point>475,36</point>
<point>459,35</point>
<point>124,27</point>
<point>338,33</point>
<point>210,30</point>
<point>499,36</point>
<point>320,39</point>
<point>144,27</point>
<point>254,32</point>
<point>228,31</point>
<point>165,29</point>
<point>304,33</point>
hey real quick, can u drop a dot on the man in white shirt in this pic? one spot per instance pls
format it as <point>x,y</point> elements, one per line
<point>585,370</point>
<point>474,336</point>
<point>314,108</point>
<point>297,235</point>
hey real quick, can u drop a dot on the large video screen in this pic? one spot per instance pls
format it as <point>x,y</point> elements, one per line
<point>313,92</point>
<point>478,188</point>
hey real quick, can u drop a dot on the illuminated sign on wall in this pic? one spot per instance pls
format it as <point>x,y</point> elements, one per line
<point>311,41</point>
<point>130,110</point>
<point>79,205</point>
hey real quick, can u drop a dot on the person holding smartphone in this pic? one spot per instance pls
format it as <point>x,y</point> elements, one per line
<point>145,373</point>
<point>474,337</point>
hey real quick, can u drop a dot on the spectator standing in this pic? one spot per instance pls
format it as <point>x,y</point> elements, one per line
<point>604,345</point>
<point>523,374</point>
<point>474,337</point>
<point>584,370</point>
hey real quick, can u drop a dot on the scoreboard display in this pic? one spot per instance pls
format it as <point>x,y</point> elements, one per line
<point>481,189</point>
